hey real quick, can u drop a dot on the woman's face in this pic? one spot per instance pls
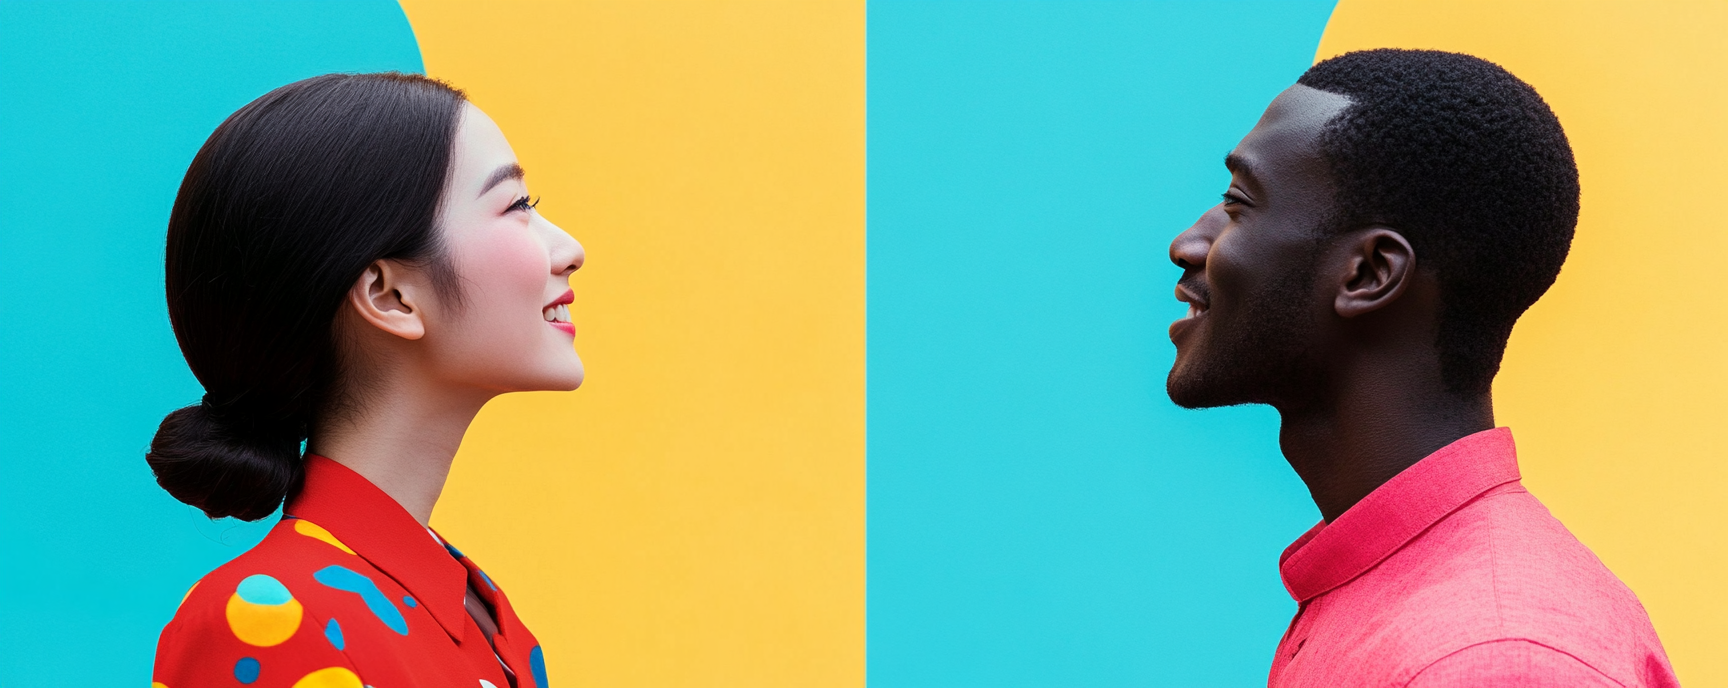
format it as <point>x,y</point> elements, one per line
<point>511,330</point>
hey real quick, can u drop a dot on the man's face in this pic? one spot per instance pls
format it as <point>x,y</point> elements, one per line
<point>1249,265</point>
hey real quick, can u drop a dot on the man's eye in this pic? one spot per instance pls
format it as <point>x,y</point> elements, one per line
<point>1233,199</point>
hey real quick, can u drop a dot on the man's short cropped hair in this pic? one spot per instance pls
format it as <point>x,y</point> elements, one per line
<point>1472,167</point>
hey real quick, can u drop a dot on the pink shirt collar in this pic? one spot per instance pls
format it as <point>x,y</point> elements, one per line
<point>1330,555</point>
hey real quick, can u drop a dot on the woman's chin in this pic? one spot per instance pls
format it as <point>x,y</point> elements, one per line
<point>562,375</point>
<point>570,378</point>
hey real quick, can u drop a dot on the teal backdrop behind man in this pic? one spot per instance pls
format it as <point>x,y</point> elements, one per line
<point>1040,513</point>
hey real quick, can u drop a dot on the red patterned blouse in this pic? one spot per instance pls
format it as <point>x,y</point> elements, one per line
<point>347,591</point>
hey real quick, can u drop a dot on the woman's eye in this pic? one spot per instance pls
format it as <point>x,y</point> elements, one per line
<point>524,203</point>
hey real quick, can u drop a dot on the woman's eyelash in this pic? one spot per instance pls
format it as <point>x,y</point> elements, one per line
<point>524,203</point>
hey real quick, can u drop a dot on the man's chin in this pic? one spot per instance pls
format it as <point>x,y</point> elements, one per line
<point>1191,390</point>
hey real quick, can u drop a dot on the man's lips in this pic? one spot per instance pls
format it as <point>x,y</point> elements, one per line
<point>1197,307</point>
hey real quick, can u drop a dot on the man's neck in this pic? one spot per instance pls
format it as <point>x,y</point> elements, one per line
<point>1350,445</point>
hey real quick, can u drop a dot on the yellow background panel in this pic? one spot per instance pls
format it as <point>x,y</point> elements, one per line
<point>694,515</point>
<point>1616,383</point>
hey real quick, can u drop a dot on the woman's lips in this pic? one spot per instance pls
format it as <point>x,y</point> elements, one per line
<point>557,313</point>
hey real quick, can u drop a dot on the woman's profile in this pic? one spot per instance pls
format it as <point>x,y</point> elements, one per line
<point>354,268</point>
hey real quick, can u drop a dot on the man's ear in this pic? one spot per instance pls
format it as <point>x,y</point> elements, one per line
<point>1380,265</point>
<point>386,297</point>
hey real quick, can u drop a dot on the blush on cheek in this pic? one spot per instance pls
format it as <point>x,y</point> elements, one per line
<point>504,275</point>
<point>516,265</point>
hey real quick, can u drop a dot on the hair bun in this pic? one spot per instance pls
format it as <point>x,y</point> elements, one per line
<point>205,462</point>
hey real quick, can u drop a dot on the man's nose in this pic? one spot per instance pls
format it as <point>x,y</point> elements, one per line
<point>1189,249</point>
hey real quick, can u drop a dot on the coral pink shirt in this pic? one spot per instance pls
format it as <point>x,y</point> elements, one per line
<point>1451,574</point>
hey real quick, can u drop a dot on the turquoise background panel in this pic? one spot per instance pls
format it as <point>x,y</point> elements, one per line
<point>1040,514</point>
<point>103,105</point>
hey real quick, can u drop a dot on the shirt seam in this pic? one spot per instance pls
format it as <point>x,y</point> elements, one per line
<point>1551,648</point>
<point>1494,572</point>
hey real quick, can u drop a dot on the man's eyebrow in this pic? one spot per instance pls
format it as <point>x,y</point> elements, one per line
<point>1238,164</point>
<point>510,171</point>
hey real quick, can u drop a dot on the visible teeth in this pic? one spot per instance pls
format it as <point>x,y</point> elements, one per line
<point>563,312</point>
<point>548,314</point>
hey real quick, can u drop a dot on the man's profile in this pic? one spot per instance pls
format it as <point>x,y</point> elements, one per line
<point>1388,220</point>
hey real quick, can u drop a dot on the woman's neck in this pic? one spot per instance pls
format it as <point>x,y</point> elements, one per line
<point>402,437</point>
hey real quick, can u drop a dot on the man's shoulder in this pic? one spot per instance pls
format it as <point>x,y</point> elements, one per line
<point>1524,662</point>
<point>1502,572</point>
<point>1536,572</point>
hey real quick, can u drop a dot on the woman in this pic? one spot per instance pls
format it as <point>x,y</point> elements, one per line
<point>353,263</point>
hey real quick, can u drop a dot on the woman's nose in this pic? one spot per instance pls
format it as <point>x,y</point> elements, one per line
<point>578,257</point>
<point>1188,250</point>
<point>567,253</point>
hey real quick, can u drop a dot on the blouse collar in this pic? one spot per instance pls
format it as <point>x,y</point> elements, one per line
<point>380,531</point>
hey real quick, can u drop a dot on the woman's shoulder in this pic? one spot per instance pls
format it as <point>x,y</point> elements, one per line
<point>282,568</point>
<point>273,602</point>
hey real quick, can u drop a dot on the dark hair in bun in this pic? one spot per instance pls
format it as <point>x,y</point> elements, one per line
<point>281,211</point>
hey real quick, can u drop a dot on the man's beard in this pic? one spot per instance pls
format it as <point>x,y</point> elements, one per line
<point>1257,355</point>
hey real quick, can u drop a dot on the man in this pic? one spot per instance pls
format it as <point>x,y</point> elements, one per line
<point>1387,221</point>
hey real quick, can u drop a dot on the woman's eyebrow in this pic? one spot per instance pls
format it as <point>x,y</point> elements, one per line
<point>510,171</point>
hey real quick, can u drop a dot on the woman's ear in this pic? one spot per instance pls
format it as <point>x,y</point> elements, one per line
<point>1381,264</point>
<point>387,297</point>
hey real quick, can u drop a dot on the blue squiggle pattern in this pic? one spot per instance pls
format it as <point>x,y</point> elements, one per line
<point>346,580</point>
<point>333,633</point>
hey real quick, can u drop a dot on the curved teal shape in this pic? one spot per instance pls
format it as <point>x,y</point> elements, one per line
<point>333,633</point>
<point>261,589</point>
<point>103,105</point>
<point>347,580</point>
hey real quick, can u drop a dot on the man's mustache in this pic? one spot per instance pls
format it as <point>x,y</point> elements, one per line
<point>1193,284</point>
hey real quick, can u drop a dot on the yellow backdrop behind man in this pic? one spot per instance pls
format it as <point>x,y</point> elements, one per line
<point>694,515</point>
<point>1616,382</point>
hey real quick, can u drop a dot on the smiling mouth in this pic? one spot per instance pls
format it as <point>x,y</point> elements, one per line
<point>1196,306</point>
